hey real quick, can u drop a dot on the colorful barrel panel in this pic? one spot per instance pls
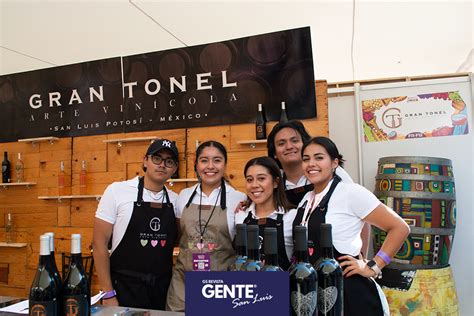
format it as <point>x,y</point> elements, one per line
<point>422,191</point>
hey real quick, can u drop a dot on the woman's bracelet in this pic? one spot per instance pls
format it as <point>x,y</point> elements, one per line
<point>109,294</point>
<point>383,256</point>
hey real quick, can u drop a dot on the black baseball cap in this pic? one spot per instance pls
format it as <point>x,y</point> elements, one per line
<point>163,144</point>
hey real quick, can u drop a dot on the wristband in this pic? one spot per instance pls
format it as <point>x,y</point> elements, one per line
<point>384,256</point>
<point>109,294</point>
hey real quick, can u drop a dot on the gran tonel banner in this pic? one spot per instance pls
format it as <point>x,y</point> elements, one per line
<point>213,84</point>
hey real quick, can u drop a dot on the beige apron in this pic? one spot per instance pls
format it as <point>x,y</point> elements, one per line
<point>216,241</point>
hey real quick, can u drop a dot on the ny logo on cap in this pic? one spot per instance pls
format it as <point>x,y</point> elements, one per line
<point>166,143</point>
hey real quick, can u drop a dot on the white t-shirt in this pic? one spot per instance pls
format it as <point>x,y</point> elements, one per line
<point>288,219</point>
<point>233,198</point>
<point>345,177</point>
<point>116,205</point>
<point>349,204</point>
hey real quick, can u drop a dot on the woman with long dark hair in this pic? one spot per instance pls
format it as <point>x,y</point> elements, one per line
<point>347,206</point>
<point>207,221</point>
<point>270,206</point>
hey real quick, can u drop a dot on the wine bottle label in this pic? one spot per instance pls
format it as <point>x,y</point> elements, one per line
<point>327,298</point>
<point>304,304</point>
<point>260,132</point>
<point>46,308</point>
<point>75,305</point>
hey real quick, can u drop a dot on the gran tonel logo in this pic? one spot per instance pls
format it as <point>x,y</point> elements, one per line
<point>152,87</point>
<point>174,92</point>
<point>392,118</point>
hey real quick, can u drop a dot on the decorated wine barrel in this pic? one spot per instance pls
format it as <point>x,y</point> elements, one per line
<point>422,191</point>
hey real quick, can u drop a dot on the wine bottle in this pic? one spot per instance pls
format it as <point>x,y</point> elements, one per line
<point>57,276</point>
<point>271,250</point>
<point>19,169</point>
<point>44,294</point>
<point>260,124</point>
<point>82,178</point>
<point>240,247</point>
<point>76,291</point>
<point>253,262</point>
<point>330,281</point>
<point>9,229</point>
<point>61,176</point>
<point>6,176</point>
<point>283,116</point>
<point>303,278</point>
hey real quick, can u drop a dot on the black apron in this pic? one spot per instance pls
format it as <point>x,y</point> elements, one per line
<point>296,195</point>
<point>361,296</point>
<point>141,265</point>
<point>283,260</point>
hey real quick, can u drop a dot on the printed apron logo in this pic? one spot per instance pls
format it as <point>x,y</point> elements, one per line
<point>237,293</point>
<point>155,224</point>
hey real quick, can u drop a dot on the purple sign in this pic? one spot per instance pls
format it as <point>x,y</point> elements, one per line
<point>237,293</point>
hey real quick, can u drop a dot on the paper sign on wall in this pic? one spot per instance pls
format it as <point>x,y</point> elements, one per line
<point>406,117</point>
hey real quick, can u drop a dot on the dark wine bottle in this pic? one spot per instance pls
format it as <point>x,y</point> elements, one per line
<point>76,291</point>
<point>240,247</point>
<point>283,116</point>
<point>303,278</point>
<point>44,295</point>
<point>6,171</point>
<point>330,281</point>
<point>271,250</point>
<point>253,262</point>
<point>260,124</point>
<point>57,276</point>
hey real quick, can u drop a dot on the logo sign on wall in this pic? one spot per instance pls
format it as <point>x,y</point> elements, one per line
<point>407,117</point>
<point>214,84</point>
<point>237,293</point>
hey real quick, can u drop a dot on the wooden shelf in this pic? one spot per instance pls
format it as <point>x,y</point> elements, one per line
<point>69,197</point>
<point>119,141</point>
<point>33,141</point>
<point>252,142</point>
<point>180,180</point>
<point>17,184</point>
<point>13,244</point>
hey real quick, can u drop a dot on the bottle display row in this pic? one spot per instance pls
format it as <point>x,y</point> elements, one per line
<point>314,290</point>
<point>49,295</point>
<point>20,175</point>
<point>260,122</point>
<point>6,169</point>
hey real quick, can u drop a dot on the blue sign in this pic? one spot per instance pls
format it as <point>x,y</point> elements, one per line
<point>237,293</point>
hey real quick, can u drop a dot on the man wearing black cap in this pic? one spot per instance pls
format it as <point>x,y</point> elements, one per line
<point>138,216</point>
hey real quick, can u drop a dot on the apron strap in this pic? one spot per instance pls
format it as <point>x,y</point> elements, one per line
<point>166,196</point>
<point>323,205</point>
<point>279,219</point>
<point>192,196</point>
<point>223,195</point>
<point>248,219</point>
<point>140,191</point>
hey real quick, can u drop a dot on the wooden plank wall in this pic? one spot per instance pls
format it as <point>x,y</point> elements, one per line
<point>106,163</point>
